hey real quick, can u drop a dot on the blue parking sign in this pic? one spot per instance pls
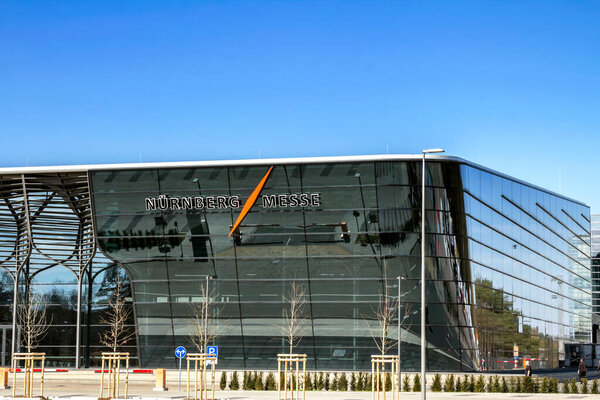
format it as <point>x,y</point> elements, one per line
<point>212,350</point>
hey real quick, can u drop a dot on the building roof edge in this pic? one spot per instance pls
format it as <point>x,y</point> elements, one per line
<point>268,161</point>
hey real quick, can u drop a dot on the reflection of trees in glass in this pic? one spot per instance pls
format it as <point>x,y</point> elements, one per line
<point>115,284</point>
<point>500,327</point>
<point>46,313</point>
<point>6,296</point>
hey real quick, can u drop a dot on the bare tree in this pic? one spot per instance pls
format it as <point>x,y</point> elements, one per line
<point>202,331</point>
<point>385,316</point>
<point>32,320</point>
<point>116,317</point>
<point>295,314</point>
<point>406,313</point>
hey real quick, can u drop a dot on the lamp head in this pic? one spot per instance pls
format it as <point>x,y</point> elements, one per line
<point>433,151</point>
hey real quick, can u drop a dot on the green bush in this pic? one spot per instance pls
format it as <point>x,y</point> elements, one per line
<point>471,385</point>
<point>417,383</point>
<point>518,388</point>
<point>320,382</point>
<point>246,380</point>
<point>449,383</point>
<point>368,382</point>
<point>458,386</point>
<point>235,382</point>
<point>343,382</point>
<point>504,386</point>
<point>270,383</point>
<point>359,382</point>
<point>465,384</point>
<point>594,389</point>
<point>584,386</point>
<point>553,385</point>
<point>566,388</point>
<point>353,382</point>
<point>388,381</point>
<point>223,381</point>
<point>258,381</point>
<point>528,386</point>
<point>573,386</point>
<point>334,382</point>
<point>406,383</point>
<point>544,385</point>
<point>493,384</point>
<point>479,386</point>
<point>436,383</point>
<point>327,381</point>
<point>490,384</point>
<point>307,382</point>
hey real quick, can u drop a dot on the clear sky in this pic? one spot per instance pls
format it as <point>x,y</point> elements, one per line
<point>512,85</point>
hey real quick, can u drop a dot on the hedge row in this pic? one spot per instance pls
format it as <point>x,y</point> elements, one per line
<point>357,381</point>
<point>526,384</point>
<point>360,381</point>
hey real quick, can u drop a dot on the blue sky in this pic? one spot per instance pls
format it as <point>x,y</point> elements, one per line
<point>513,85</point>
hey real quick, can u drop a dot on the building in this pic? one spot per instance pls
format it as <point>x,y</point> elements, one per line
<point>595,255</point>
<point>508,263</point>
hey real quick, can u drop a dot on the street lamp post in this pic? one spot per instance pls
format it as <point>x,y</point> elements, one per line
<point>423,341</point>
<point>206,300</point>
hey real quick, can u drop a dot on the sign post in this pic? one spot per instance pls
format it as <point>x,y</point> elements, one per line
<point>180,352</point>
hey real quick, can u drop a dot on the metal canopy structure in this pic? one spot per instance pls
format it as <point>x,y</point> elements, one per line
<point>45,221</point>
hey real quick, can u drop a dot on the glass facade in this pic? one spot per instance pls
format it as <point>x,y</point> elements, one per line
<point>507,263</point>
<point>596,264</point>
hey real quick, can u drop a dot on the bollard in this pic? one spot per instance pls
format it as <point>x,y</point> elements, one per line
<point>161,380</point>
<point>4,378</point>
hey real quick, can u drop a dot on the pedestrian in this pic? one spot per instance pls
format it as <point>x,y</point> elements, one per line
<point>528,370</point>
<point>582,370</point>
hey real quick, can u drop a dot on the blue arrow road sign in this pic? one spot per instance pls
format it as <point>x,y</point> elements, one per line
<point>212,350</point>
<point>180,352</point>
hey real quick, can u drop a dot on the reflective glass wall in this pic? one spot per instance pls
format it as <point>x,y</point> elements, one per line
<point>596,264</point>
<point>506,263</point>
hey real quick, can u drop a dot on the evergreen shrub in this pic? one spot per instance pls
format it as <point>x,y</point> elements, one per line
<point>573,386</point>
<point>343,382</point>
<point>479,386</point>
<point>449,383</point>
<point>270,383</point>
<point>594,388</point>
<point>417,383</point>
<point>406,383</point>
<point>235,382</point>
<point>436,383</point>
<point>566,387</point>
<point>223,381</point>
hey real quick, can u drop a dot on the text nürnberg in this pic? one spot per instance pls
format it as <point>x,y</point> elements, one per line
<point>164,202</point>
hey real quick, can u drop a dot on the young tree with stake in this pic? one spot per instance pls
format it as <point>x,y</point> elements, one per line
<point>116,317</point>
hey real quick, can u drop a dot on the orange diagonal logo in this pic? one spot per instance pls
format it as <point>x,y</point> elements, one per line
<point>251,200</point>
